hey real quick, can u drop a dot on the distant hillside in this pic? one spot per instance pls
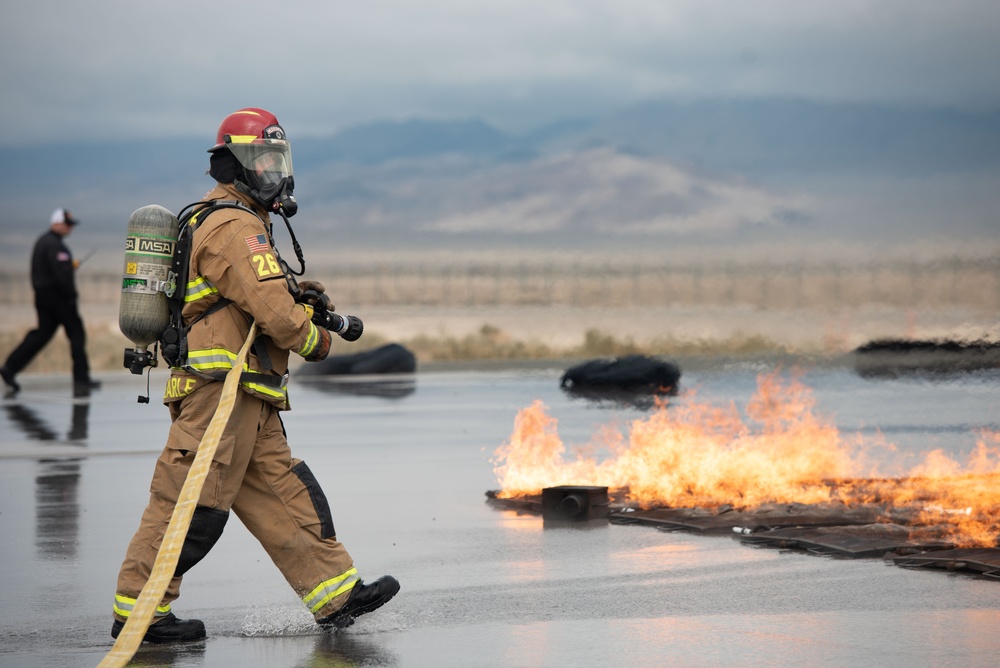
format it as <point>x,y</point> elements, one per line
<point>783,136</point>
<point>711,171</point>
<point>376,143</point>
<point>580,198</point>
<point>737,136</point>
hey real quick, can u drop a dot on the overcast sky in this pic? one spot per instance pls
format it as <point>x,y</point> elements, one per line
<point>131,68</point>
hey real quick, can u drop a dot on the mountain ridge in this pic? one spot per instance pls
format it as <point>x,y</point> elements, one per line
<point>718,171</point>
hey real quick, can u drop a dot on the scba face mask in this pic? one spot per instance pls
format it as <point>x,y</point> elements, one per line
<point>266,168</point>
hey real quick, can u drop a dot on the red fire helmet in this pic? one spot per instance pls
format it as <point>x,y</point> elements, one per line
<point>249,125</point>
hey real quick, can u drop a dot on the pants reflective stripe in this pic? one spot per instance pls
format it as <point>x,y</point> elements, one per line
<point>124,605</point>
<point>327,591</point>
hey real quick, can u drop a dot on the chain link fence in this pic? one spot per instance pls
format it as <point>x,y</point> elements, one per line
<point>923,285</point>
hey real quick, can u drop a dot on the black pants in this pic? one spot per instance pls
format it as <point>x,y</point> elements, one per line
<point>53,310</point>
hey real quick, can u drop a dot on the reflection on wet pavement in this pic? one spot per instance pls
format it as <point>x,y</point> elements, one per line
<point>396,387</point>
<point>57,510</point>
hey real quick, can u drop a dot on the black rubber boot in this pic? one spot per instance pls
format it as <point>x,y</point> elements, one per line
<point>88,384</point>
<point>8,378</point>
<point>364,598</point>
<point>168,629</point>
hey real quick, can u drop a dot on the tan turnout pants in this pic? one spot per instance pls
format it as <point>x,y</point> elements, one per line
<point>254,474</point>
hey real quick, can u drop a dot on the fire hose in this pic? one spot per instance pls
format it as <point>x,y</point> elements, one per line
<point>137,622</point>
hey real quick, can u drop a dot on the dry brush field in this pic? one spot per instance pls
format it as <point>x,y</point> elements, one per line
<point>506,310</point>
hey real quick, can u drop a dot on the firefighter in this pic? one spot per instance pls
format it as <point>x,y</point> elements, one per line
<point>52,267</point>
<point>235,279</point>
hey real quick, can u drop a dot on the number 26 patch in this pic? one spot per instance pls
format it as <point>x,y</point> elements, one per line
<point>265,266</point>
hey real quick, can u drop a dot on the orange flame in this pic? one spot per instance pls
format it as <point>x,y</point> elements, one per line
<point>697,455</point>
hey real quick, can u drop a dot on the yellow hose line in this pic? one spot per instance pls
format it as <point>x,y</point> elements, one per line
<point>130,638</point>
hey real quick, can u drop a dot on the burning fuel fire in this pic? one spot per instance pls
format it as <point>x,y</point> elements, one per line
<point>695,455</point>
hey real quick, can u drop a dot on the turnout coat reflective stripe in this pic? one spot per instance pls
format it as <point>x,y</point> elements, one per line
<point>253,472</point>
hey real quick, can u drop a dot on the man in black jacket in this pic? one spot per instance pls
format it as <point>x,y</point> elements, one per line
<point>52,267</point>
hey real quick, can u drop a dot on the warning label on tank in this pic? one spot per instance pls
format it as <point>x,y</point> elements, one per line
<point>147,269</point>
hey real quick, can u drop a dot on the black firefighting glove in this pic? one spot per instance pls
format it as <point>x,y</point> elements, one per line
<point>314,294</point>
<point>348,327</point>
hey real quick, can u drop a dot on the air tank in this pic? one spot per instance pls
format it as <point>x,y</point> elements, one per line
<point>143,312</point>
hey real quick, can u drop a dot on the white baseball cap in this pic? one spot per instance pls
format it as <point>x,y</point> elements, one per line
<point>62,216</point>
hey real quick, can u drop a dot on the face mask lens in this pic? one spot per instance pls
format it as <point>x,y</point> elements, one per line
<point>267,158</point>
<point>270,168</point>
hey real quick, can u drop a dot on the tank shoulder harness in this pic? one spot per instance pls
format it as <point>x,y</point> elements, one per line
<point>173,341</point>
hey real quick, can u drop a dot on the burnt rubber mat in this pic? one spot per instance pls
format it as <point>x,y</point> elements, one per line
<point>777,517</point>
<point>976,560</point>
<point>522,504</point>
<point>870,541</point>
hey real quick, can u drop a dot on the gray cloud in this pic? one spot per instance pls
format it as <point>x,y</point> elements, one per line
<point>124,69</point>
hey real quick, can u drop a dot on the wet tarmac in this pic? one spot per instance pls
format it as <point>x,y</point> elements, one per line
<point>405,465</point>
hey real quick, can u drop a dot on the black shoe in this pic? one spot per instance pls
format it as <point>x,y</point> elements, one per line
<point>364,598</point>
<point>86,384</point>
<point>168,629</point>
<point>8,378</point>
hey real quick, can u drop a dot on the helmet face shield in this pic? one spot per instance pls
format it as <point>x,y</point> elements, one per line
<point>269,160</point>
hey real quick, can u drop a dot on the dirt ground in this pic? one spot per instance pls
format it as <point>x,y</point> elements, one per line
<point>548,308</point>
<point>561,328</point>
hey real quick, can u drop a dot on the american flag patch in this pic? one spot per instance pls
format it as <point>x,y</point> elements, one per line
<point>257,244</point>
